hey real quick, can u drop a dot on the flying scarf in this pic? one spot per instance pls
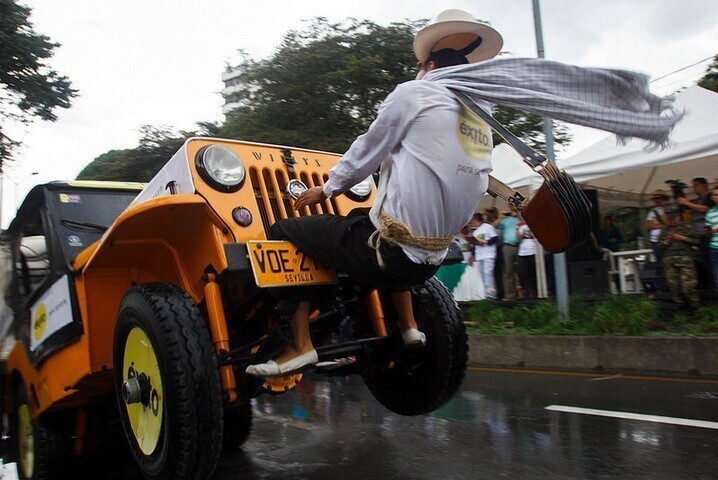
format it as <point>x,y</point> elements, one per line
<point>616,101</point>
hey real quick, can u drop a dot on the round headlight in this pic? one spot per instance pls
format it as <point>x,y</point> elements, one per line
<point>361,191</point>
<point>220,167</point>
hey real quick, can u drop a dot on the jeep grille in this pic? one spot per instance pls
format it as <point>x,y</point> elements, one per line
<point>273,201</point>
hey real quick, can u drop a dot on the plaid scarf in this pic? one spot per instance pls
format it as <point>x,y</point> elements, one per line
<point>617,101</point>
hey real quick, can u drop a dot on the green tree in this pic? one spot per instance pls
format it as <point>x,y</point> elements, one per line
<point>710,79</point>
<point>529,128</point>
<point>28,86</point>
<point>323,86</point>
<point>140,164</point>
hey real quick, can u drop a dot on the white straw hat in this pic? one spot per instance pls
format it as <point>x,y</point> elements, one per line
<point>457,29</point>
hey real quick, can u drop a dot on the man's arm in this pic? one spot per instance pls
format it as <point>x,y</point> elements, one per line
<point>368,151</point>
<point>696,207</point>
<point>686,236</point>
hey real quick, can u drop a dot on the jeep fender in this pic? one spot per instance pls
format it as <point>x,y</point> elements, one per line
<point>174,239</point>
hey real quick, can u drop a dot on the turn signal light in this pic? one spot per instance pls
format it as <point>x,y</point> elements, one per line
<point>242,216</point>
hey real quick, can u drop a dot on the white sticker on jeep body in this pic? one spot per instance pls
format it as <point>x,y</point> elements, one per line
<point>174,178</point>
<point>51,312</point>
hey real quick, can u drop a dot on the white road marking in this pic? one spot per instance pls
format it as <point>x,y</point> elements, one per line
<point>634,416</point>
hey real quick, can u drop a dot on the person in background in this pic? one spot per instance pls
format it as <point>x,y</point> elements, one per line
<point>712,226</point>
<point>526,259</point>
<point>699,205</point>
<point>493,216</point>
<point>610,235</point>
<point>485,238</point>
<point>470,287</point>
<point>655,221</point>
<point>508,226</point>
<point>678,240</point>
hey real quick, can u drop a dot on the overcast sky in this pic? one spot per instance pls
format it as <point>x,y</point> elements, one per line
<point>160,62</point>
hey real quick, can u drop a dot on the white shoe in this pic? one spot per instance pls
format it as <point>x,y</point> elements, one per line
<point>413,338</point>
<point>274,369</point>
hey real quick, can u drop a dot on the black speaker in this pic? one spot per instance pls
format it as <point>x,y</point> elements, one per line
<point>588,251</point>
<point>588,277</point>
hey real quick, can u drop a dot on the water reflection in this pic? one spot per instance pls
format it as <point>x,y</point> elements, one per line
<point>496,425</point>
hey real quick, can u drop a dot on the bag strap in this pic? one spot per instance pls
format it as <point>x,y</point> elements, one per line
<point>531,157</point>
<point>659,218</point>
<point>571,200</point>
<point>497,188</point>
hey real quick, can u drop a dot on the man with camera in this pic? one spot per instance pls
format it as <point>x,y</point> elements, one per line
<point>698,206</point>
<point>677,243</point>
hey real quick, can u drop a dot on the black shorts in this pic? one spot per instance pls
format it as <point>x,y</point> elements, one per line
<point>342,243</point>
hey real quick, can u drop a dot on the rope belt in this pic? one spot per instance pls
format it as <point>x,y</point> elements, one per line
<point>394,232</point>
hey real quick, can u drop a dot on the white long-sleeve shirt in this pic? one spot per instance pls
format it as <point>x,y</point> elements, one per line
<point>435,157</point>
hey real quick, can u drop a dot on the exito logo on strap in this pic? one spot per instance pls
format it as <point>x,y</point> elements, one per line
<point>474,136</point>
<point>39,321</point>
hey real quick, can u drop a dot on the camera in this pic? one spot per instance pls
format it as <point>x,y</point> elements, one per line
<point>677,187</point>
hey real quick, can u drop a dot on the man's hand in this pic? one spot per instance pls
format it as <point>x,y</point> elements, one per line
<point>309,197</point>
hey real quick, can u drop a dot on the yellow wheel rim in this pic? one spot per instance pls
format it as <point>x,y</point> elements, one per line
<point>145,417</point>
<point>26,440</point>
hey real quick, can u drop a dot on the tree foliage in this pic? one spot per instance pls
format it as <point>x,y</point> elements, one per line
<point>529,128</point>
<point>28,86</point>
<point>710,79</point>
<point>323,86</point>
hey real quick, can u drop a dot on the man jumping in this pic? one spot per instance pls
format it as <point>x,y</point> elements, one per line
<point>434,157</point>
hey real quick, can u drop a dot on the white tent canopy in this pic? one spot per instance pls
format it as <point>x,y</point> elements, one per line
<point>510,169</point>
<point>626,175</point>
<point>630,172</point>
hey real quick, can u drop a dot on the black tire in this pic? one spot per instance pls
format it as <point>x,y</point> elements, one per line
<point>237,425</point>
<point>50,447</point>
<point>190,432</point>
<point>418,381</point>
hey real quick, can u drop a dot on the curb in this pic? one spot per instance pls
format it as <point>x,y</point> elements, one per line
<point>673,355</point>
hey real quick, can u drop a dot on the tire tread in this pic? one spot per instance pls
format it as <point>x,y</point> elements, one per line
<point>196,392</point>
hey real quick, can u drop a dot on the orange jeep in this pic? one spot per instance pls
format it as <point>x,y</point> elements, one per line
<point>149,305</point>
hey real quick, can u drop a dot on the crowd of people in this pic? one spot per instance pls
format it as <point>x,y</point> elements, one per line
<point>684,237</point>
<point>499,250</point>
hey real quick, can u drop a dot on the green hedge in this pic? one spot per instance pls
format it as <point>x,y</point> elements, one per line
<point>616,315</point>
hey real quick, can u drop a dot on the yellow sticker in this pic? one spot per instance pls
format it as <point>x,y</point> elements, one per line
<point>474,136</point>
<point>145,416</point>
<point>39,321</point>
<point>70,198</point>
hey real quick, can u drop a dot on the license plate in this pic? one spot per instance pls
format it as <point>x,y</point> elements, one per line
<point>278,263</point>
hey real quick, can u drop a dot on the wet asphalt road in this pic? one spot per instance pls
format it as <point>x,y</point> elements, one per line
<point>497,427</point>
